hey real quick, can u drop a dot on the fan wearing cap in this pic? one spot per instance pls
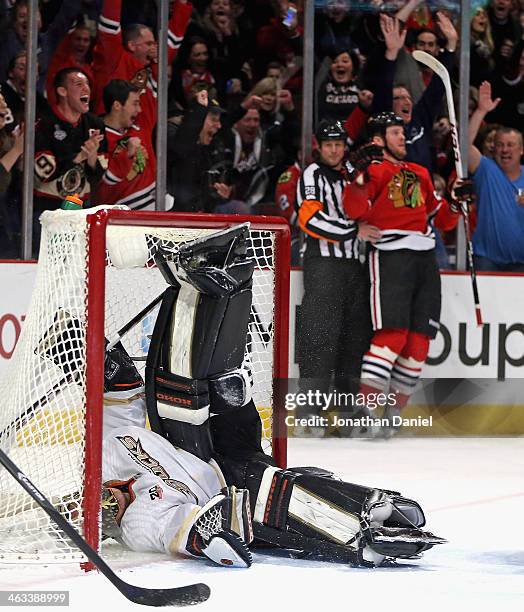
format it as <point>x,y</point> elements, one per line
<point>399,198</point>
<point>192,153</point>
<point>334,328</point>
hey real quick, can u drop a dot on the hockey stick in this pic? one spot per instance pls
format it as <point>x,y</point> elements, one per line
<point>180,596</point>
<point>132,322</point>
<point>441,71</point>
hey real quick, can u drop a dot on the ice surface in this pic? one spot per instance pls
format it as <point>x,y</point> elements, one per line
<point>472,491</point>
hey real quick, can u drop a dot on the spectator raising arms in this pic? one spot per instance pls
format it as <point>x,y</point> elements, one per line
<point>73,51</point>
<point>498,241</point>
<point>131,55</point>
<point>418,118</point>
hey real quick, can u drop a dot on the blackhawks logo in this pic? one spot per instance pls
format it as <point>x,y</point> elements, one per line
<point>139,161</point>
<point>404,189</point>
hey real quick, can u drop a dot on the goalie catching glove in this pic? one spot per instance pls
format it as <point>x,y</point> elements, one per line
<point>222,529</point>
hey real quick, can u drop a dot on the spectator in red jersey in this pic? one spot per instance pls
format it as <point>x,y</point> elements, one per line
<point>193,68</point>
<point>130,175</point>
<point>74,50</point>
<point>131,55</point>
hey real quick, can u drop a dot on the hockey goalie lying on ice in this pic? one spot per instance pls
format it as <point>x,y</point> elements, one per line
<point>199,483</point>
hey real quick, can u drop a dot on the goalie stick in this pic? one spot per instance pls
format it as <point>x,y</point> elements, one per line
<point>441,71</point>
<point>179,596</point>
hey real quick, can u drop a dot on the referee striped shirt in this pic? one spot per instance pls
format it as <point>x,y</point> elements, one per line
<point>329,232</point>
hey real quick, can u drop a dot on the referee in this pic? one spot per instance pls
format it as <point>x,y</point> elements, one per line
<point>334,328</point>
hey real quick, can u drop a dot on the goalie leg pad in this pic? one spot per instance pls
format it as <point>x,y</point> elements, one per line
<point>370,524</point>
<point>304,500</point>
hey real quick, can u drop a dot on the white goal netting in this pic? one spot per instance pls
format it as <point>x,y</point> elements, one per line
<point>43,394</point>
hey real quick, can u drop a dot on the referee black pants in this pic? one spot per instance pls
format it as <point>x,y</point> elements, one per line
<point>334,327</point>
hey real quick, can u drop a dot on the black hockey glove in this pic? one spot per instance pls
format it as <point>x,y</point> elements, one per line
<point>366,155</point>
<point>462,191</point>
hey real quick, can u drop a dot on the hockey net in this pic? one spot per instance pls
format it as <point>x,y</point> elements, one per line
<point>51,396</point>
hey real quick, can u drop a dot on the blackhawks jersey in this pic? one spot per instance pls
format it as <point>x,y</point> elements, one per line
<point>401,201</point>
<point>131,180</point>
<point>128,180</point>
<point>57,142</point>
<point>112,61</point>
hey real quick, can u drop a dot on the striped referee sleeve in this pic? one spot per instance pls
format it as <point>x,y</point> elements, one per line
<point>312,217</point>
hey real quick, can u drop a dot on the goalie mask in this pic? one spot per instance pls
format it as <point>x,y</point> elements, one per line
<point>114,504</point>
<point>121,378</point>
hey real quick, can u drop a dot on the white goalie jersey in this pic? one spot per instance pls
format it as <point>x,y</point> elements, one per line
<point>167,486</point>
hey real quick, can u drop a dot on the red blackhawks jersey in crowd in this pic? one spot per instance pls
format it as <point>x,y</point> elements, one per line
<point>400,200</point>
<point>112,61</point>
<point>286,192</point>
<point>131,180</point>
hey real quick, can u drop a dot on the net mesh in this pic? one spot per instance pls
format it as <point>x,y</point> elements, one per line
<point>42,395</point>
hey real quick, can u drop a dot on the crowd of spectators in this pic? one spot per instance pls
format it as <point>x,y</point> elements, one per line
<point>235,70</point>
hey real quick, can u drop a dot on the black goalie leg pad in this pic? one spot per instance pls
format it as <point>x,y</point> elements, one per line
<point>309,509</point>
<point>199,338</point>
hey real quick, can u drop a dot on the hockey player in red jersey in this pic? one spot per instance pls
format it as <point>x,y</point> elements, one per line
<point>399,198</point>
<point>131,55</point>
<point>130,175</point>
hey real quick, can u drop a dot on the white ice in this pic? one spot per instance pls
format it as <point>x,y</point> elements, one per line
<point>472,491</point>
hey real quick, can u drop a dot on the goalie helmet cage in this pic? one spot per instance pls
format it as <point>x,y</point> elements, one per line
<point>51,398</point>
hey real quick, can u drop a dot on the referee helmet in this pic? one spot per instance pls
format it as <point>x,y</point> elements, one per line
<point>330,130</point>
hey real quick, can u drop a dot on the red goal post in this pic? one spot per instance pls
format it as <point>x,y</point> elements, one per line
<point>76,276</point>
